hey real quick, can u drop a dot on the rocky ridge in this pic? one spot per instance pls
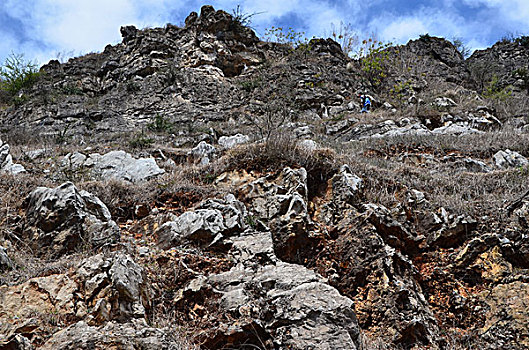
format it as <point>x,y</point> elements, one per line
<point>254,207</point>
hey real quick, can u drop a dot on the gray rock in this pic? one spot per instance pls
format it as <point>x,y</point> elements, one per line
<point>209,223</point>
<point>73,161</point>
<point>305,311</point>
<point>121,165</point>
<point>6,161</point>
<point>444,102</point>
<point>5,262</point>
<point>203,152</point>
<point>346,187</point>
<point>35,154</point>
<point>308,145</point>
<point>509,159</point>
<point>228,142</point>
<point>456,129</point>
<point>114,165</point>
<point>135,334</point>
<point>117,284</point>
<point>64,219</point>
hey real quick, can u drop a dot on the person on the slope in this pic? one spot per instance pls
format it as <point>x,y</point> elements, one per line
<point>366,103</point>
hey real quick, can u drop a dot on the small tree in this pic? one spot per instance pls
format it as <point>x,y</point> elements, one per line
<point>17,74</point>
<point>373,56</point>
<point>461,47</point>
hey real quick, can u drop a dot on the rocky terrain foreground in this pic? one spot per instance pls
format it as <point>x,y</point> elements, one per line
<point>197,188</point>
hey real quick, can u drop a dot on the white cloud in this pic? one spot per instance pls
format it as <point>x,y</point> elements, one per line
<point>403,29</point>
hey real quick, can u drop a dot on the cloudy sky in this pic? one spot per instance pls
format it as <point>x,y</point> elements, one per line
<point>47,29</point>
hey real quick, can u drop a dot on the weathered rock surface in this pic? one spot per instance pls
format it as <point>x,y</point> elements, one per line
<point>114,165</point>
<point>229,142</point>
<point>509,159</point>
<point>136,334</point>
<point>64,219</point>
<point>102,288</point>
<point>210,223</point>
<point>6,161</point>
<point>294,306</point>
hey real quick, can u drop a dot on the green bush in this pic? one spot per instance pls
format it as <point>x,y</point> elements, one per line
<point>373,55</point>
<point>17,74</point>
<point>160,124</point>
<point>495,91</point>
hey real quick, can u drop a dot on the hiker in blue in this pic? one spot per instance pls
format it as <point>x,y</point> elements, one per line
<point>366,103</point>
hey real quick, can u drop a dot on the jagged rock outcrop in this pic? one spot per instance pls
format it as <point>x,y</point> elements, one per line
<point>102,288</point>
<point>113,165</point>
<point>276,303</point>
<point>507,60</point>
<point>210,223</point>
<point>398,229</point>
<point>63,220</point>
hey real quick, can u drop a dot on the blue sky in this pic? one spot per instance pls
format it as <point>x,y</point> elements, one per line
<point>47,29</point>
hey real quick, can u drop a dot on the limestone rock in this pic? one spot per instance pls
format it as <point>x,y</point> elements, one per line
<point>114,165</point>
<point>509,159</point>
<point>136,334</point>
<point>228,142</point>
<point>346,186</point>
<point>209,223</point>
<point>114,287</point>
<point>63,219</point>
<point>304,311</point>
<point>6,161</point>
<point>203,152</point>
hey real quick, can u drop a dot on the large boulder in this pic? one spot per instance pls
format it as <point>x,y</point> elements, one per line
<point>114,165</point>
<point>63,219</point>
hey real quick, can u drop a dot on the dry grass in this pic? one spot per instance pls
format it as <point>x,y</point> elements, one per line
<point>476,194</point>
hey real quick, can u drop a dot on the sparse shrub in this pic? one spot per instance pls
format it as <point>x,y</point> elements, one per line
<point>250,85</point>
<point>288,36</point>
<point>141,141</point>
<point>345,35</point>
<point>70,89</point>
<point>425,37</point>
<point>373,57</point>
<point>160,124</point>
<point>62,137</point>
<point>523,41</point>
<point>494,90</point>
<point>243,18</point>
<point>17,74</point>
<point>400,91</point>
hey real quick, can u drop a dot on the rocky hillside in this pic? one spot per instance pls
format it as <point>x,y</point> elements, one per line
<point>197,188</point>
